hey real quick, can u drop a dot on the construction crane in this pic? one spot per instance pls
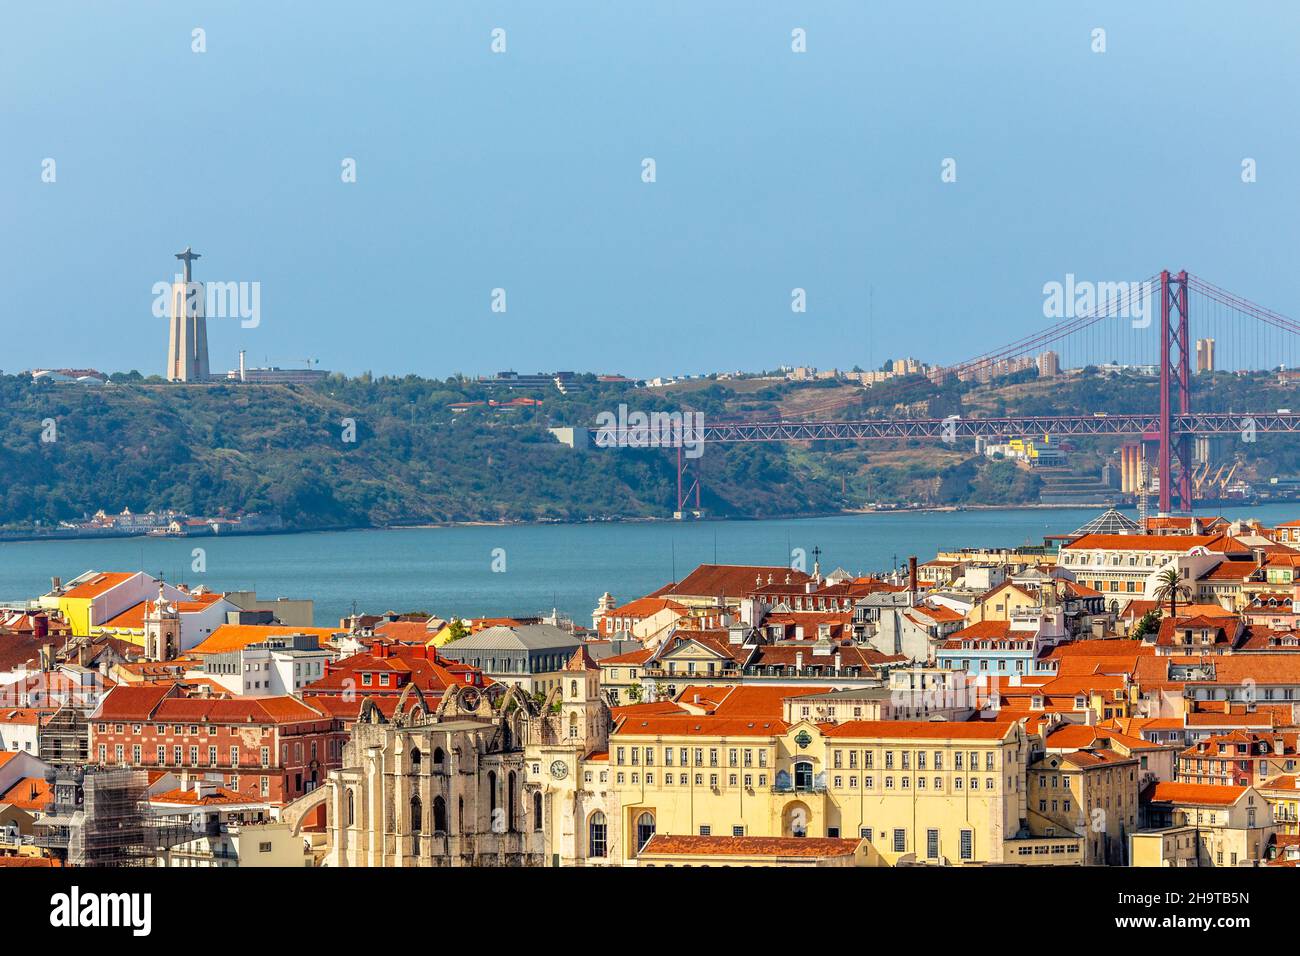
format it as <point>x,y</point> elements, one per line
<point>307,362</point>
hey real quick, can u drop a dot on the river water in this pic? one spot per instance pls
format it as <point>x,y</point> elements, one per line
<point>529,569</point>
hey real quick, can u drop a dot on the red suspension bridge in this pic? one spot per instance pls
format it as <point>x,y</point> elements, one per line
<point>1120,319</point>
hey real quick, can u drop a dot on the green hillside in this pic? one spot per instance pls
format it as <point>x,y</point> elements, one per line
<point>281,449</point>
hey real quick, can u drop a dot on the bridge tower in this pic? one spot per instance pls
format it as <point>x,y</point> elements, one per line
<point>1175,372</point>
<point>684,490</point>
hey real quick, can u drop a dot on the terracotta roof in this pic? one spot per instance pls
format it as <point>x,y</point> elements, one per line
<point>645,607</point>
<point>213,797</point>
<point>692,726</point>
<point>29,793</point>
<point>658,708</point>
<point>746,700</point>
<point>234,637</point>
<point>133,617</point>
<point>1100,648</point>
<point>1177,543</point>
<point>731,580</point>
<point>1198,794</point>
<point>631,657</point>
<point>159,703</point>
<point>920,729</point>
<point>1084,737</point>
<point>30,861</point>
<point>405,630</point>
<point>99,584</point>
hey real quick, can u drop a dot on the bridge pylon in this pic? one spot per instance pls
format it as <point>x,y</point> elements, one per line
<point>1175,373</point>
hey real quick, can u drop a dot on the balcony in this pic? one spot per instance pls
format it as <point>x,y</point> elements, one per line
<point>792,788</point>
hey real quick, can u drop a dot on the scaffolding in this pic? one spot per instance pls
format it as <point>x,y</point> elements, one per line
<point>101,818</point>
<point>65,738</point>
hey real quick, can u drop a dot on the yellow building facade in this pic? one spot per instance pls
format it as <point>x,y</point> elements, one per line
<point>931,792</point>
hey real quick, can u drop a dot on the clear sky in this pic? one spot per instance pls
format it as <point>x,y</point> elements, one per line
<point>523,170</point>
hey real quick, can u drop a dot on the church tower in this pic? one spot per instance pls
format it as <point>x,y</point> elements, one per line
<point>586,716</point>
<point>162,629</point>
<point>187,350</point>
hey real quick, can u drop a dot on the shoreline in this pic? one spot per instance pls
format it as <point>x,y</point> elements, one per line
<point>424,525</point>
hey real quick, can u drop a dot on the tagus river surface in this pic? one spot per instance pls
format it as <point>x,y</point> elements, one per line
<point>450,570</point>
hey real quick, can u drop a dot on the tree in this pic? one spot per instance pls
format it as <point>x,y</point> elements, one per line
<point>1170,587</point>
<point>634,693</point>
<point>1148,624</point>
<point>457,630</point>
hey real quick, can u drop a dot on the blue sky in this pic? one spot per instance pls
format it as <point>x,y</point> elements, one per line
<point>522,171</point>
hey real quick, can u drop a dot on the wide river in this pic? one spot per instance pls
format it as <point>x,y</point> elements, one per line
<point>528,569</point>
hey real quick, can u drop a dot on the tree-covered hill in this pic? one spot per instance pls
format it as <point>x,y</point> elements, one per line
<point>205,449</point>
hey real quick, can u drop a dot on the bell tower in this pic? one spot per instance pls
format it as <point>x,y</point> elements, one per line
<point>586,716</point>
<point>162,629</point>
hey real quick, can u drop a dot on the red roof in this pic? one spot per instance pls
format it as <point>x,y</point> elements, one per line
<point>731,580</point>
<point>1200,794</point>
<point>100,583</point>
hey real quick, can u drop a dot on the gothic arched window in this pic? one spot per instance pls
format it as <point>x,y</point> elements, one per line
<point>537,811</point>
<point>439,815</point>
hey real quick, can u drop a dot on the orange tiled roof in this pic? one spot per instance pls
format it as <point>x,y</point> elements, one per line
<point>631,657</point>
<point>731,580</point>
<point>29,793</point>
<point>1178,543</point>
<point>215,797</point>
<point>658,708</point>
<point>746,700</point>
<point>692,726</point>
<point>921,729</point>
<point>97,585</point>
<point>234,637</point>
<point>1200,794</point>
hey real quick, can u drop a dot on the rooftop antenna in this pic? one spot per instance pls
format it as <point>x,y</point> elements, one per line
<point>673,543</point>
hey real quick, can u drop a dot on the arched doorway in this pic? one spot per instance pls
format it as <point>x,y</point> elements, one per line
<point>795,819</point>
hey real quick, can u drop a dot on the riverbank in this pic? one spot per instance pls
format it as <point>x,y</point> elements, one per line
<point>503,570</point>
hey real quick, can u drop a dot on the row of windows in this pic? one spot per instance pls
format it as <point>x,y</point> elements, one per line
<point>898,840</point>
<point>1115,560</point>
<point>868,782</point>
<point>735,756</point>
<point>178,756</point>
<point>907,759</point>
<point>179,729</point>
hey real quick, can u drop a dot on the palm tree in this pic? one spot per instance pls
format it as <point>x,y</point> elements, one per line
<point>1170,587</point>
